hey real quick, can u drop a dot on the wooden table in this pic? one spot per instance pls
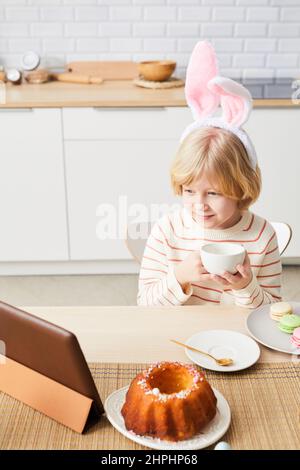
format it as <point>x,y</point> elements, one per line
<point>264,400</point>
<point>141,334</point>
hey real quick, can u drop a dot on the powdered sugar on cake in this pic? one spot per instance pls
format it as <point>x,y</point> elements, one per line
<point>144,382</point>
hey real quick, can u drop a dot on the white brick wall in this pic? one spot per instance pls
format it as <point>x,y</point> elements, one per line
<point>253,38</point>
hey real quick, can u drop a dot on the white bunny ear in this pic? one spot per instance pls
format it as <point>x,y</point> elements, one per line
<point>201,69</point>
<point>236,100</point>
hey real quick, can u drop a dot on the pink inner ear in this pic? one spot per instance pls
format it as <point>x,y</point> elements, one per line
<point>201,69</point>
<point>233,109</point>
<point>203,106</point>
<point>233,105</point>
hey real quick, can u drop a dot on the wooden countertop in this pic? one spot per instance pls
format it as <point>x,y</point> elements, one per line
<point>142,334</point>
<point>111,93</point>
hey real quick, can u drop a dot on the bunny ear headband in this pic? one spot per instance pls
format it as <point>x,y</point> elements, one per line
<point>205,90</point>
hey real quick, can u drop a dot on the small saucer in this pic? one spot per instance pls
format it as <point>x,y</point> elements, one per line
<point>222,344</point>
<point>209,435</point>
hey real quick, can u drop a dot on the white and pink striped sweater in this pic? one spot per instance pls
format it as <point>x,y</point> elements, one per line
<point>177,234</point>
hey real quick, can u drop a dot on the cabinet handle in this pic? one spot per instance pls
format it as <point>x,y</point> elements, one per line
<point>131,108</point>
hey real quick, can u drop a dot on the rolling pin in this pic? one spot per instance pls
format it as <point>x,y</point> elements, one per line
<point>72,77</point>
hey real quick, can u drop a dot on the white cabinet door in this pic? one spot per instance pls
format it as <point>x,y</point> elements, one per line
<point>32,193</point>
<point>113,181</point>
<point>275,134</point>
<point>125,123</point>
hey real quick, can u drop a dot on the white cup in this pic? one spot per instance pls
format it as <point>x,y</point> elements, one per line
<point>220,257</point>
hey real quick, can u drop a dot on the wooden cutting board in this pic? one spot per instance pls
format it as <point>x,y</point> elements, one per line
<point>109,70</point>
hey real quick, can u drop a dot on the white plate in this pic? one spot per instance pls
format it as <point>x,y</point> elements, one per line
<point>210,434</point>
<point>223,343</point>
<point>266,331</point>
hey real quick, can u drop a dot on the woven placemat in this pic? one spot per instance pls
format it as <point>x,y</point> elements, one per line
<point>172,82</point>
<point>264,402</point>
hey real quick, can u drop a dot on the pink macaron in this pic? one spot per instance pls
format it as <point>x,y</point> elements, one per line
<point>295,338</point>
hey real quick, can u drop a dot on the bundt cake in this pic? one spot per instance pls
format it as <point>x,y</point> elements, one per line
<point>169,401</point>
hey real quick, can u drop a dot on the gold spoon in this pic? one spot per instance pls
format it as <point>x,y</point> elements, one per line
<point>225,361</point>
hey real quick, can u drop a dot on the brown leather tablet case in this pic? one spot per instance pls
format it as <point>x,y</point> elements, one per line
<point>47,357</point>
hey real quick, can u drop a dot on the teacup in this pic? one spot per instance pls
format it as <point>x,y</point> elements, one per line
<point>220,257</point>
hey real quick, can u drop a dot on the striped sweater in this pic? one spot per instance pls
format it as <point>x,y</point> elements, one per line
<point>177,234</point>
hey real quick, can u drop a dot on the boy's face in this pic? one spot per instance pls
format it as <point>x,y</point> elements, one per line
<point>208,206</point>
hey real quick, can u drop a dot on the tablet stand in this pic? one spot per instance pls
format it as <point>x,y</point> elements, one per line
<point>55,400</point>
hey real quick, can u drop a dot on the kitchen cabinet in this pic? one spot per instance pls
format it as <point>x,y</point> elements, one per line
<point>125,123</point>
<point>275,133</point>
<point>65,170</point>
<point>32,191</point>
<point>128,152</point>
<point>117,168</point>
<point>109,183</point>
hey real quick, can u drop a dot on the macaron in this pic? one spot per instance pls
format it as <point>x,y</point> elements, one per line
<point>295,338</point>
<point>279,309</point>
<point>288,323</point>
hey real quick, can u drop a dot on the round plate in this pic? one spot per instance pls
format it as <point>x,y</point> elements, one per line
<point>223,343</point>
<point>209,435</point>
<point>266,331</point>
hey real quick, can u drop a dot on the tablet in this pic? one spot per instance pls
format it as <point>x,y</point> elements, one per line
<point>49,350</point>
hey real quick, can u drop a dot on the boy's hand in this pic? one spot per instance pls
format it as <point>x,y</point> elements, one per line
<point>191,269</point>
<point>237,281</point>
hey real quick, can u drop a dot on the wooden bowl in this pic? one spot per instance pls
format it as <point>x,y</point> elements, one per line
<point>156,70</point>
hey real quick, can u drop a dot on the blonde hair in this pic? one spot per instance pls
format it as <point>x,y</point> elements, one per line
<point>222,156</point>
